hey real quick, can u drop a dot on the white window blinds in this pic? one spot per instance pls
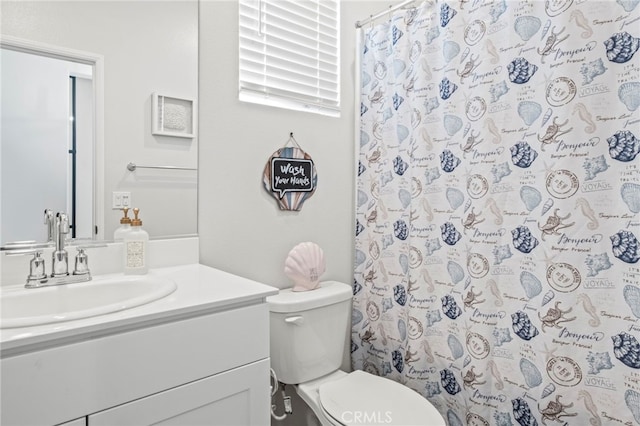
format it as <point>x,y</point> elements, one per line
<point>289,54</point>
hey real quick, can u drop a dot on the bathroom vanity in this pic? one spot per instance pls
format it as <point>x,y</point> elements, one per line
<point>199,355</point>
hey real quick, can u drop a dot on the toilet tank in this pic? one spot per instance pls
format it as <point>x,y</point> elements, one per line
<point>309,330</point>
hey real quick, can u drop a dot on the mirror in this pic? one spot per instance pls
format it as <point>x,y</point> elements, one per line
<point>135,49</point>
<point>47,141</point>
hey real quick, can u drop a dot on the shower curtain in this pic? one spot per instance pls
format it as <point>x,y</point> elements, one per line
<point>497,257</point>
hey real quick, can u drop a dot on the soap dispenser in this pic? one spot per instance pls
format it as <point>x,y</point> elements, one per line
<point>125,226</point>
<point>135,247</point>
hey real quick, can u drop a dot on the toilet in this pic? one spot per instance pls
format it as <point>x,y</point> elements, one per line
<point>309,330</point>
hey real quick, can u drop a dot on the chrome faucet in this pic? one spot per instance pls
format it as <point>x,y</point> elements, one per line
<point>60,257</point>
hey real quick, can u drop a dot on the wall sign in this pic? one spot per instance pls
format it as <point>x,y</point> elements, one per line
<point>290,176</point>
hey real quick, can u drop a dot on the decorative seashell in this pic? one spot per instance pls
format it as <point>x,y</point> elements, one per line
<point>467,282</point>
<point>599,361</point>
<point>305,265</point>
<point>446,14</point>
<point>361,168</point>
<point>465,53</point>
<point>400,229</point>
<point>630,193</point>
<point>623,146</point>
<point>497,9</point>
<point>360,257</point>
<point>380,70</point>
<point>596,263</point>
<point>397,34</point>
<point>450,307</point>
<point>364,138</point>
<point>522,155</point>
<point>521,71</point>
<point>362,198</point>
<point>522,412</point>
<point>466,361</point>
<point>402,132</point>
<point>405,197</point>
<point>591,70</point>
<point>450,234</point>
<point>625,246</point>
<point>449,50</point>
<point>527,26</point>
<point>398,67</point>
<point>397,101</point>
<point>522,326</point>
<point>547,206</point>
<point>455,197</point>
<point>627,349</point>
<point>628,6</point>
<point>501,335</point>
<point>356,316</point>
<point>621,47</point>
<point>629,95</point>
<point>455,271</point>
<point>447,88</point>
<point>354,346</point>
<point>547,116</point>
<point>548,296</point>
<point>529,111</point>
<point>452,124</point>
<point>403,260</point>
<point>448,382</point>
<point>359,227</point>
<point>356,288</point>
<point>398,361</point>
<point>363,110</point>
<point>455,346</point>
<point>400,294</point>
<point>531,284</point>
<point>548,390</point>
<point>448,161</point>
<point>402,329</point>
<point>632,297</point>
<point>530,372</point>
<point>530,196</point>
<point>632,399</point>
<point>400,166</point>
<point>523,240</point>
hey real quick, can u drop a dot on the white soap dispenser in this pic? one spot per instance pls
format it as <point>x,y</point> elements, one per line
<point>135,247</point>
<point>125,226</point>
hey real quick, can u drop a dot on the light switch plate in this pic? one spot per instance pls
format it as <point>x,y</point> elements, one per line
<point>120,200</point>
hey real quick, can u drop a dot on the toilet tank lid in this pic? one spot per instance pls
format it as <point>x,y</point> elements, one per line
<point>327,293</point>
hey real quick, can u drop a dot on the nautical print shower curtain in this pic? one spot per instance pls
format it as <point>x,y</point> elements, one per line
<point>497,253</point>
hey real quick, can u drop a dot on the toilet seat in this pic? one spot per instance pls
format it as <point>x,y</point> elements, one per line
<point>363,398</point>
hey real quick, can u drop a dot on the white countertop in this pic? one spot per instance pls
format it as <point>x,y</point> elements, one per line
<point>200,289</point>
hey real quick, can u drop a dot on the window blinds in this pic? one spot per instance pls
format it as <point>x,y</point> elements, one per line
<point>289,54</point>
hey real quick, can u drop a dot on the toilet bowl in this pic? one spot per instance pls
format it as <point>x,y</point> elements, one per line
<point>308,334</point>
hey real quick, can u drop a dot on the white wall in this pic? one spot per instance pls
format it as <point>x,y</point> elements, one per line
<point>147,46</point>
<point>241,227</point>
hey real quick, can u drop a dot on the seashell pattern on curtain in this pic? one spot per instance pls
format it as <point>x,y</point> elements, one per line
<point>497,264</point>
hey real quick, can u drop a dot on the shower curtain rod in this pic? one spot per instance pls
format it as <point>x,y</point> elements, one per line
<point>391,9</point>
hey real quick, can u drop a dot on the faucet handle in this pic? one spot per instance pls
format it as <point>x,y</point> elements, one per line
<point>36,267</point>
<point>50,222</point>
<point>82,263</point>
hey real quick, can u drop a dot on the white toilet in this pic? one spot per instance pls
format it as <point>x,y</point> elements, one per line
<point>309,330</point>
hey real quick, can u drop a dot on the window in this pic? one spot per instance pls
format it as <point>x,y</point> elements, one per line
<point>289,55</point>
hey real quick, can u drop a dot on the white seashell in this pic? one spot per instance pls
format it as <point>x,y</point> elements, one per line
<point>632,297</point>
<point>402,132</point>
<point>398,67</point>
<point>530,372</point>
<point>530,196</point>
<point>455,346</point>
<point>405,197</point>
<point>632,399</point>
<point>630,193</point>
<point>305,265</point>
<point>450,49</point>
<point>452,124</point>
<point>467,204</point>
<point>547,116</point>
<point>455,197</point>
<point>546,206</point>
<point>527,26</point>
<point>548,390</point>
<point>629,94</point>
<point>529,111</point>
<point>531,284</point>
<point>548,296</point>
<point>455,271</point>
<point>466,361</point>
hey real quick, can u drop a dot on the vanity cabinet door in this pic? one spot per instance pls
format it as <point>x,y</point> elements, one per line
<point>235,397</point>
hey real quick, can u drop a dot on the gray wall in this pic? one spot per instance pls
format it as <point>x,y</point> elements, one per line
<point>240,225</point>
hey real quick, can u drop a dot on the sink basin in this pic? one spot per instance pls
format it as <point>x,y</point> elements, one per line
<point>27,307</point>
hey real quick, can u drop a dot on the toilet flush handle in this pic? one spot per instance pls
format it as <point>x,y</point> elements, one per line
<point>297,320</point>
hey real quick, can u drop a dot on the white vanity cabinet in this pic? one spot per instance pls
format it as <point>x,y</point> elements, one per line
<point>206,364</point>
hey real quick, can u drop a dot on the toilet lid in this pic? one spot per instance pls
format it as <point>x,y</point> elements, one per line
<point>362,398</point>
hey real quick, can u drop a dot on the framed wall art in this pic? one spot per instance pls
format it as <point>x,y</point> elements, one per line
<point>173,116</point>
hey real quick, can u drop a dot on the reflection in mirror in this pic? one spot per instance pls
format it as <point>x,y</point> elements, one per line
<point>47,142</point>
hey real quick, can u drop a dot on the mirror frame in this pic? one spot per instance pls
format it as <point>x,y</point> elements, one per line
<point>97,61</point>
